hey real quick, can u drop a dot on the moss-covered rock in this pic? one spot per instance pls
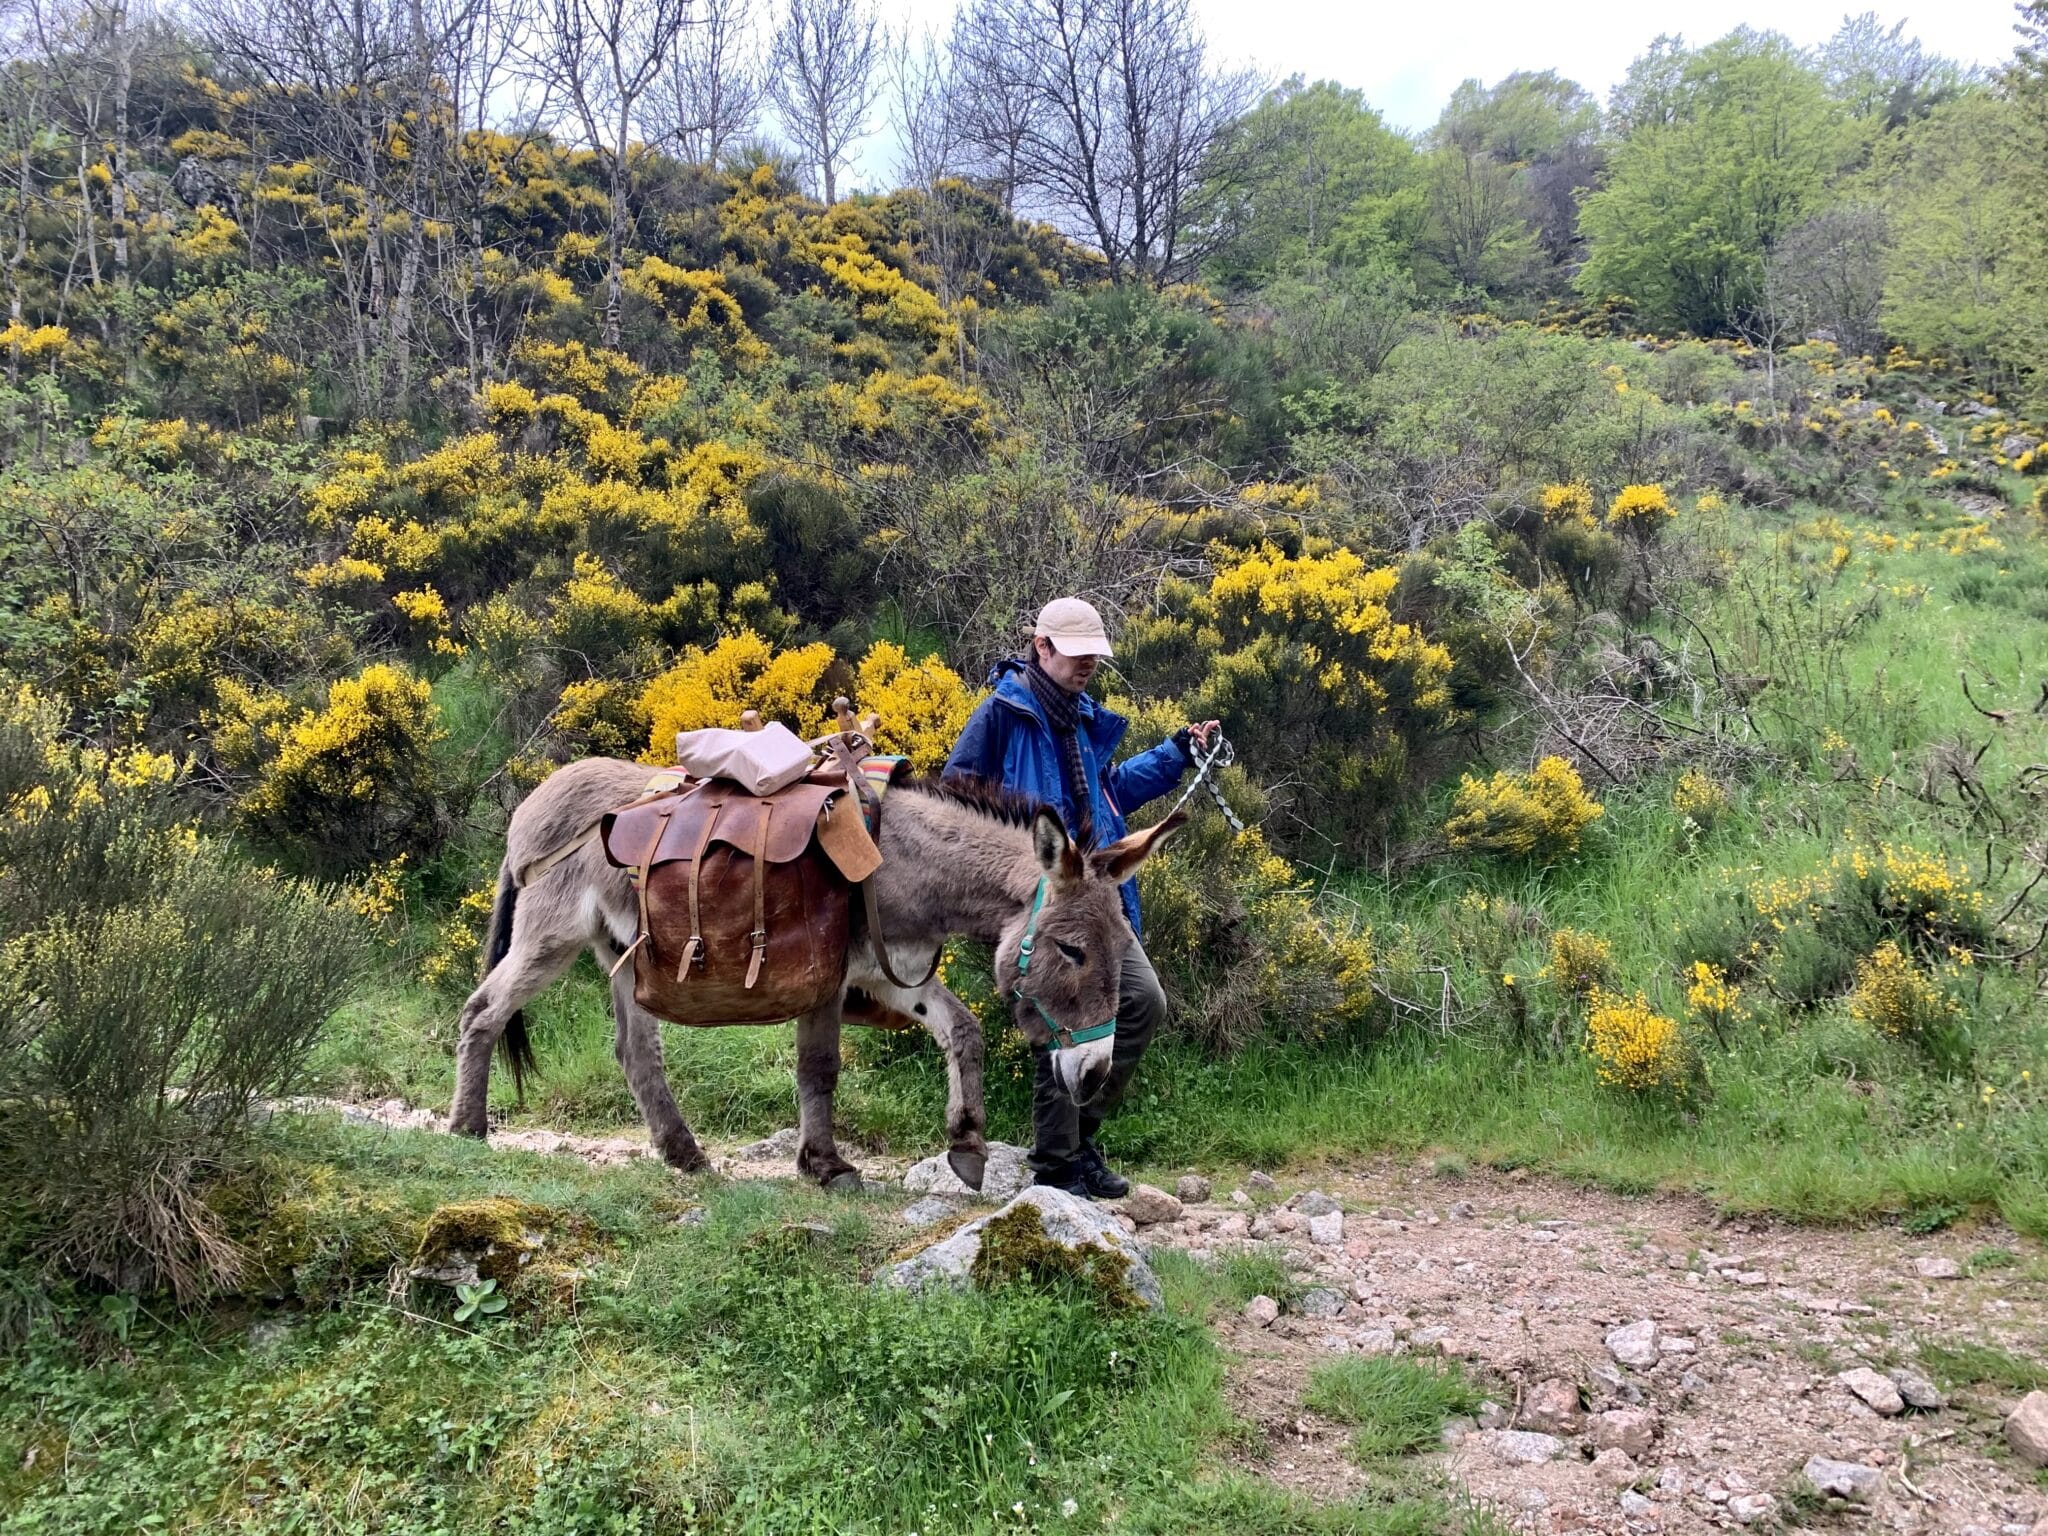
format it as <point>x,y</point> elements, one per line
<point>1043,1237</point>
<point>530,1250</point>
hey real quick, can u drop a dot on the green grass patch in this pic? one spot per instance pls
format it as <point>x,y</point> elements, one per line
<point>1397,1405</point>
<point>1965,1362</point>
<point>734,1373</point>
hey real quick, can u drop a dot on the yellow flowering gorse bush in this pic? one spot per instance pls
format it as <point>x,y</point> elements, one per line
<point>1538,814</point>
<point>1633,1046</point>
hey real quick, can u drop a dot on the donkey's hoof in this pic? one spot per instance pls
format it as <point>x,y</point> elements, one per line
<point>845,1182</point>
<point>465,1128</point>
<point>968,1167</point>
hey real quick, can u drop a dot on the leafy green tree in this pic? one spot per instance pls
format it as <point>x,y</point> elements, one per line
<point>1544,126</point>
<point>1333,183</point>
<point>1727,148</point>
<point>1967,276</point>
<point>1883,76</point>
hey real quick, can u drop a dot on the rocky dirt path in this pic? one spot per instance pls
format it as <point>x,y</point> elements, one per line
<point>1651,1365</point>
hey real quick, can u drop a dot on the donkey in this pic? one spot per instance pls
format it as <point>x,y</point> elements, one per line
<point>957,860</point>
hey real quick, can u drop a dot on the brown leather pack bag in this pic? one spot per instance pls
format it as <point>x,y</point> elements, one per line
<point>745,900</point>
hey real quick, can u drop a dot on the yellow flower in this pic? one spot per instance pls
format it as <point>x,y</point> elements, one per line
<point>1634,1047</point>
<point>1640,507</point>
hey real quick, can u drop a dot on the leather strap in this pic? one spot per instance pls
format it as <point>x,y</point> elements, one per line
<point>640,881</point>
<point>693,950</point>
<point>760,933</point>
<point>881,948</point>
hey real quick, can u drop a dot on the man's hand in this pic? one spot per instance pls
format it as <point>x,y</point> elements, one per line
<point>1204,733</point>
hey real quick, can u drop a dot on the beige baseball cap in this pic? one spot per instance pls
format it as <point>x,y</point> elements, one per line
<point>1074,627</point>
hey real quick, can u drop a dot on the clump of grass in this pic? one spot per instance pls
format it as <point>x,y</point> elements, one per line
<point>1966,1362</point>
<point>1398,1406</point>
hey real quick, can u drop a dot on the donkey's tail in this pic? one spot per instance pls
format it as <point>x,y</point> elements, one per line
<point>514,1044</point>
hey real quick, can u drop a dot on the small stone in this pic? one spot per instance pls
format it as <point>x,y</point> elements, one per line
<point>1314,1202</point>
<point>1525,1447</point>
<point>1327,1229</point>
<point>1148,1206</point>
<point>1626,1429</point>
<point>782,1144</point>
<point>1916,1389</point>
<point>1335,1343</point>
<point>1635,1344</point>
<point>1285,1221</point>
<point>1377,1341</point>
<point>922,1213</point>
<point>2026,1431</point>
<point>1606,1377</point>
<point>1540,1236</point>
<point>266,1335</point>
<point>1751,1277</point>
<point>1257,1180</point>
<point>1455,1430</point>
<point>1671,1483</point>
<point>1748,1508</point>
<point>1692,1381</point>
<point>1531,1499</point>
<point>1614,1467</point>
<point>1262,1311</point>
<point>1553,1406</point>
<point>1637,1507</point>
<point>1874,1389</point>
<point>1320,1301</point>
<point>1232,1226</point>
<point>1192,1189</point>
<point>1843,1479</point>
<point>1937,1266</point>
<point>1493,1416</point>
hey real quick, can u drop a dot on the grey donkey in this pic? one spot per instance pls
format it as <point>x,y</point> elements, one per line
<point>957,860</point>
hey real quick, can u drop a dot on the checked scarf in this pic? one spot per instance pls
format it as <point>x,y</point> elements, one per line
<point>1063,714</point>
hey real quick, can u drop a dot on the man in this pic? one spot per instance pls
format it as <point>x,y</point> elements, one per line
<point>1040,733</point>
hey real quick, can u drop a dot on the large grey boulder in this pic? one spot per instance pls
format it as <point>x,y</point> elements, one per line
<point>1005,1174</point>
<point>1065,1220</point>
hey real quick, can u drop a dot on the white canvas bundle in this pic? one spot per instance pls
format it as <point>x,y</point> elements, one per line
<point>760,762</point>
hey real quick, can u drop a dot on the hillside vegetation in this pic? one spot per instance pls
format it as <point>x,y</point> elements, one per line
<point>1615,539</point>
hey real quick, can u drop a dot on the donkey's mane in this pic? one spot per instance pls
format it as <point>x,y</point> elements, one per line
<point>997,801</point>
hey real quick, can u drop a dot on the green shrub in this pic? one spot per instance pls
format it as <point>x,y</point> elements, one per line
<point>152,991</point>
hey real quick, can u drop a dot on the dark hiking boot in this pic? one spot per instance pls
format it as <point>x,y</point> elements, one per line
<point>1097,1177</point>
<point>1066,1178</point>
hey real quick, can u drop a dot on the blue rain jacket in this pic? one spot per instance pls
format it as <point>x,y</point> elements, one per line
<point>1008,741</point>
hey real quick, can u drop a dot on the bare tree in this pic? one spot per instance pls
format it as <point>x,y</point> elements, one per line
<point>1831,270</point>
<point>1125,121</point>
<point>707,97</point>
<point>329,84</point>
<point>824,77</point>
<point>934,151</point>
<point>485,85</point>
<point>993,99</point>
<point>604,55</point>
<point>23,104</point>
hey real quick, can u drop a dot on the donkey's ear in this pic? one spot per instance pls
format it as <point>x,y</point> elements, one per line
<point>1057,855</point>
<point>1120,858</point>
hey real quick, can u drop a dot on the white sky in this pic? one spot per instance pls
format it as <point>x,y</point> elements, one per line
<point>1407,58</point>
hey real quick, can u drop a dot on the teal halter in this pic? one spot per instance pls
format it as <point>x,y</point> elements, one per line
<point>1061,1036</point>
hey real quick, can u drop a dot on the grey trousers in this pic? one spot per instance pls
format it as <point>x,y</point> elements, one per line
<point>1058,1124</point>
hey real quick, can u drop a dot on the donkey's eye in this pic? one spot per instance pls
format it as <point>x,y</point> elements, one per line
<point>1078,957</point>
